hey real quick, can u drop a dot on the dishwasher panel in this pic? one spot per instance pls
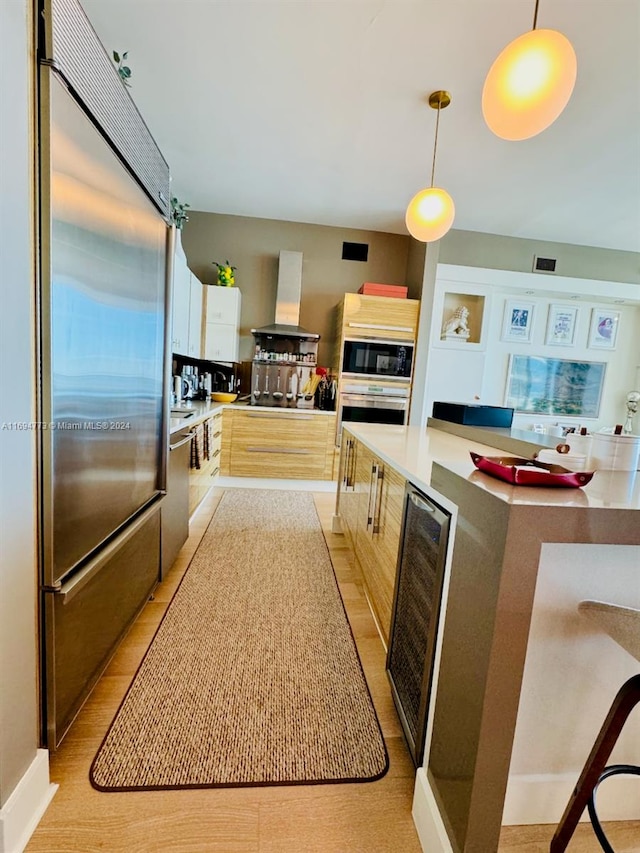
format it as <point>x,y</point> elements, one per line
<point>175,507</point>
<point>415,613</point>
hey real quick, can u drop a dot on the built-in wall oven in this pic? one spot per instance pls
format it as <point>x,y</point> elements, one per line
<point>371,403</point>
<point>377,359</point>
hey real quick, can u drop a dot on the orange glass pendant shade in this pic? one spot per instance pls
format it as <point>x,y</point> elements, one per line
<point>430,214</point>
<point>529,84</point>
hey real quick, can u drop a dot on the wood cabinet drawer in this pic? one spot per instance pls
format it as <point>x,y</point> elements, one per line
<point>290,444</point>
<point>288,430</point>
<point>264,461</point>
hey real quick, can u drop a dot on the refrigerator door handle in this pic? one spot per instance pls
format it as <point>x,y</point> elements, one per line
<point>75,584</point>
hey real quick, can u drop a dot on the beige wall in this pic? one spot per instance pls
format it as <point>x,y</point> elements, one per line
<point>253,245</point>
<point>473,249</point>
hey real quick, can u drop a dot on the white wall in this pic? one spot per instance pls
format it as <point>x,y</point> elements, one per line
<point>476,370</point>
<point>572,673</point>
<point>24,774</point>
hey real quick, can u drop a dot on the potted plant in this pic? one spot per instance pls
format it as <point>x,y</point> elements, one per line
<point>179,213</point>
<point>226,274</point>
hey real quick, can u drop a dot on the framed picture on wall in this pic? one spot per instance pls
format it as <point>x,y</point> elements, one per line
<point>518,321</point>
<point>604,328</point>
<point>555,386</point>
<point>561,326</point>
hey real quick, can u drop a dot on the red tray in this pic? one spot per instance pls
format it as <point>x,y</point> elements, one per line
<point>527,472</point>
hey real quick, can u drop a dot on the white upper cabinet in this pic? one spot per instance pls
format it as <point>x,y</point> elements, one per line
<point>181,298</point>
<point>195,318</point>
<point>186,315</point>
<point>222,334</point>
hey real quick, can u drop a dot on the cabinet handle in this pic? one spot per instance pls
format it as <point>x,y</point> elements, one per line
<point>278,450</point>
<point>372,482</point>
<point>351,471</point>
<point>215,453</point>
<point>348,452</point>
<point>378,326</point>
<point>215,471</point>
<point>279,417</point>
<point>377,507</point>
<point>217,434</point>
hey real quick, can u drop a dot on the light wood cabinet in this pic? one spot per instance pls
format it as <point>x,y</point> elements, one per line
<point>201,479</point>
<point>282,444</point>
<point>371,504</point>
<point>348,496</point>
<point>380,317</point>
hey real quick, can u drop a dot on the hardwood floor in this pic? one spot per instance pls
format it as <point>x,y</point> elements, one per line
<point>373,817</point>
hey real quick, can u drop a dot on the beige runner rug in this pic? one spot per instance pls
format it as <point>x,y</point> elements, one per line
<point>253,677</point>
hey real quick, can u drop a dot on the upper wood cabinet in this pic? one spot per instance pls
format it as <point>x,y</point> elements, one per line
<point>383,317</point>
<point>380,317</point>
<point>222,323</point>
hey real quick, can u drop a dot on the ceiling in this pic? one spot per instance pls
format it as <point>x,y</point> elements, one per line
<point>315,111</point>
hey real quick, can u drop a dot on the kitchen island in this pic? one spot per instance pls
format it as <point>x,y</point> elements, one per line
<point>522,684</point>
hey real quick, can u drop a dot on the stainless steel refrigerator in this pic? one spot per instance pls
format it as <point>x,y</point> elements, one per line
<point>102,403</point>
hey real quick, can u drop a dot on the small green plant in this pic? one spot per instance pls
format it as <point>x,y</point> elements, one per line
<point>123,70</point>
<point>178,212</point>
<point>226,274</point>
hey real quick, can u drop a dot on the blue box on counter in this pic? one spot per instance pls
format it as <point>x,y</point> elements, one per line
<point>473,414</point>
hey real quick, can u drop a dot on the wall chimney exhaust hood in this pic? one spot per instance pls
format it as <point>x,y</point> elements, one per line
<point>288,301</point>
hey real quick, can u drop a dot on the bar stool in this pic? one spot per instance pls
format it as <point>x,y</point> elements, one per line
<point>623,625</point>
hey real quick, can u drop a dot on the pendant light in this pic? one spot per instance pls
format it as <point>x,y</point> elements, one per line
<point>529,84</point>
<point>431,211</point>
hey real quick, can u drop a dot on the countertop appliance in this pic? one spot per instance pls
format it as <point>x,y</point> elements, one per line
<point>104,202</point>
<point>416,612</point>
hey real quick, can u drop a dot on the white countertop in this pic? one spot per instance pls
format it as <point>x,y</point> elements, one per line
<point>412,451</point>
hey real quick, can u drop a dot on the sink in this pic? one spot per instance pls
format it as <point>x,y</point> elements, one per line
<point>179,412</point>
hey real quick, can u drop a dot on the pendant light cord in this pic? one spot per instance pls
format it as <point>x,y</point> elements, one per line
<point>435,145</point>
<point>535,15</point>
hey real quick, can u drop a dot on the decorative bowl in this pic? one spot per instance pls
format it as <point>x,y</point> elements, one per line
<point>530,472</point>
<point>223,397</point>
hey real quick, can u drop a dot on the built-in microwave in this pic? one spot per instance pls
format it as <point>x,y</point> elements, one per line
<point>377,359</point>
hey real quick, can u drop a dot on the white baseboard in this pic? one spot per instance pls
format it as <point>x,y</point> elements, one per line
<point>23,810</point>
<point>542,798</point>
<point>426,817</point>
<point>270,483</point>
